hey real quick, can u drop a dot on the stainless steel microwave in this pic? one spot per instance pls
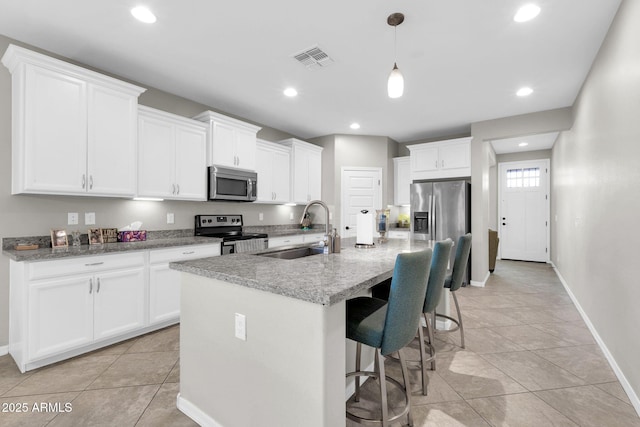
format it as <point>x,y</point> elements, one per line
<point>230,184</point>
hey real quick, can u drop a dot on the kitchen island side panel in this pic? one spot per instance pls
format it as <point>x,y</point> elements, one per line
<point>290,371</point>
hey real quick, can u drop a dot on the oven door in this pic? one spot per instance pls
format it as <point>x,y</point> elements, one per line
<point>232,184</point>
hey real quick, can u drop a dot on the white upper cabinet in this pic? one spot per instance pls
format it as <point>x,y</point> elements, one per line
<point>74,131</point>
<point>231,143</point>
<point>401,180</point>
<point>442,159</point>
<point>306,170</point>
<point>273,168</point>
<point>171,157</point>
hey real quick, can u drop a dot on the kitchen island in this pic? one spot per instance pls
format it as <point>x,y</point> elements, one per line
<point>286,366</point>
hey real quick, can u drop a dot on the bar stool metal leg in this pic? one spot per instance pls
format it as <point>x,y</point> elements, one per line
<point>357,378</point>
<point>455,299</point>
<point>407,385</point>
<point>423,363</point>
<point>383,388</point>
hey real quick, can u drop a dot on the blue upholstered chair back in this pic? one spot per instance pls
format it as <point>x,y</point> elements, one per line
<point>461,260</point>
<point>406,297</point>
<point>437,275</point>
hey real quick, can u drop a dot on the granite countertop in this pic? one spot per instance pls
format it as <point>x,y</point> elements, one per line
<point>320,279</point>
<point>106,248</point>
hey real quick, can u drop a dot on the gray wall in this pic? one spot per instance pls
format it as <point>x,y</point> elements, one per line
<point>28,215</point>
<point>596,194</point>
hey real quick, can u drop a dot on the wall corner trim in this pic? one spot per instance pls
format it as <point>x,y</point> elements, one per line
<point>482,283</point>
<point>633,397</point>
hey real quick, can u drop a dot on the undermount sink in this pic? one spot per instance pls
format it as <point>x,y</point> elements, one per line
<point>294,253</point>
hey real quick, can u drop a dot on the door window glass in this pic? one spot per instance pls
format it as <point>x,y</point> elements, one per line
<point>526,177</point>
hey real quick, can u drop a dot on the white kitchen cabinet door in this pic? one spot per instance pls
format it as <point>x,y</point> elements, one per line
<point>275,242</point>
<point>425,159</point>
<point>112,142</point>
<point>60,315</point>
<point>156,163</point>
<point>454,156</point>
<point>401,180</point>
<point>119,302</point>
<point>231,143</point>
<point>191,163</point>
<point>306,170</point>
<point>245,149</point>
<point>164,293</point>
<point>54,133</point>
<point>273,167</point>
<point>223,149</point>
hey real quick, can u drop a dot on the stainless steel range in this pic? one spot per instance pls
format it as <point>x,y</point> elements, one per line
<point>229,229</point>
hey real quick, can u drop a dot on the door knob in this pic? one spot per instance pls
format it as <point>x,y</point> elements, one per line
<point>504,223</point>
<point>347,227</point>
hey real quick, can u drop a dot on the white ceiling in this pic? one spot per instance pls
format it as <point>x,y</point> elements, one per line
<point>542,141</point>
<point>462,60</point>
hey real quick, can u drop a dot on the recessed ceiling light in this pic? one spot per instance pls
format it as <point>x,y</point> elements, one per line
<point>354,125</point>
<point>526,13</point>
<point>290,92</point>
<point>524,91</point>
<point>143,14</point>
<point>523,144</point>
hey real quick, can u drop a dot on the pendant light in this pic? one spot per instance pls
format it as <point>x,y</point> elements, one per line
<point>395,84</point>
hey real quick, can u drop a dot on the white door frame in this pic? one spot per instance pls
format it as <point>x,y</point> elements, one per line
<point>342,192</point>
<point>547,165</point>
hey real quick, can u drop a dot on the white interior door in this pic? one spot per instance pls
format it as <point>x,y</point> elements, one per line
<point>361,189</point>
<point>523,218</point>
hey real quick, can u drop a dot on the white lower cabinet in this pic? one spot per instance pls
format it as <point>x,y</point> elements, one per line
<point>398,234</point>
<point>164,283</point>
<point>62,308</point>
<point>295,239</point>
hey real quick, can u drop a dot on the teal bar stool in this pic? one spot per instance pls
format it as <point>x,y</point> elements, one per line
<point>454,282</point>
<point>388,326</point>
<point>437,277</point>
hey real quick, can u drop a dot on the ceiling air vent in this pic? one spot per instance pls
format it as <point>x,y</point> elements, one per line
<point>313,58</point>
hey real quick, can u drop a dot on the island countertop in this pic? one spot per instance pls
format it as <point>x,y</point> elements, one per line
<point>321,279</point>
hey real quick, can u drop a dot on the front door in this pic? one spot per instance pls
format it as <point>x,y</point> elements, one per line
<point>523,217</point>
<point>361,189</point>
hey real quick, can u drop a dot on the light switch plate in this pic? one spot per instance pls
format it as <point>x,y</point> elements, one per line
<point>291,215</point>
<point>170,218</point>
<point>89,218</point>
<point>72,218</point>
<point>241,327</point>
<point>260,216</point>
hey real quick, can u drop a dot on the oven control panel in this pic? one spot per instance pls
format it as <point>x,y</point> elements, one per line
<point>218,220</point>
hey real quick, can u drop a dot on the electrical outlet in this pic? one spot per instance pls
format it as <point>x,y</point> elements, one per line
<point>241,327</point>
<point>170,218</point>
<point>291,216</point>
<point>72,218</point>
<point>89,218</point>
<point>260,216</point>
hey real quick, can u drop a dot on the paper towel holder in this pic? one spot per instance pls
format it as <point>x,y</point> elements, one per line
<point>364,245</point>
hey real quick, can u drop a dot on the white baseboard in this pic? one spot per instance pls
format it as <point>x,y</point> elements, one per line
<point>195,413</point>
<point>4,349</point>
<point>633,397</point>
<point>482,283</point>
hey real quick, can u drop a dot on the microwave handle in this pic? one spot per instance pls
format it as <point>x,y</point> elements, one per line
<point>249,188</point>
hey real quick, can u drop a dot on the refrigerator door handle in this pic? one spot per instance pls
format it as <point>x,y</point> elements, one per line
<point>433,218</point>
<point>430,225</point>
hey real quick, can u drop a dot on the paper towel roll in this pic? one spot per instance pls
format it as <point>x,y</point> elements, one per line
<point>364,229</point>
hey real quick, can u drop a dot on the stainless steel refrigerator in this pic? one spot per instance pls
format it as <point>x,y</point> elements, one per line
<point>441,210</point>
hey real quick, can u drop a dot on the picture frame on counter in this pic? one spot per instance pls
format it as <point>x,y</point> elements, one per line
<point>95,236</point>
<point>109,235</point>
<point>59,238</point>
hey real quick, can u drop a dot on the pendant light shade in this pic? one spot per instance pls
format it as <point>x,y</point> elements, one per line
<point>395,84</point>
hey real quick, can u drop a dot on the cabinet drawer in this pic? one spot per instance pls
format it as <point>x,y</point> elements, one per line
<point>183,253</point>
<point>66,267</point>
<point>313,238</point>
<point>295,239</point>
<point>398,234</point>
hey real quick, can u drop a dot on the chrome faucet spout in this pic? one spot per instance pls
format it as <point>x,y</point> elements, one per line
<point>327,232</point>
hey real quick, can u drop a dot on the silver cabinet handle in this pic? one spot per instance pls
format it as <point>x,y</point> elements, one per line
<point>84,181</point>
<point>94,263</point>
<point>90,182</point>
<point>442,163</point>
<point>178,188</point>
<point>436,164</point>
<point>174,189</point>
<point>90,285</point>
<point>188,253</point>
<point>98,290</point>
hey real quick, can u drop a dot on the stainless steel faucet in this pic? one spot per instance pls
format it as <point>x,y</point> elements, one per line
<point>327,233</point>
